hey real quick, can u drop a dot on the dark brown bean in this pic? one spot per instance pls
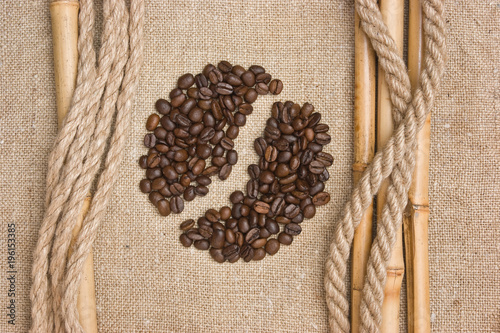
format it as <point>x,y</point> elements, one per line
<point>293,229</point>
<point>321,198</point>
<point>185,81</point>
<point>176,205</point>
<point>217,255</point>
<point>225,171</point>
<point>162,106</point>
<point>232,157</point>
<point>275,87</point>
<point>185,240</point>
<point>272,246</point>
<point>259,254</point>
<point>261,88</point>
<point>285,238</point>
<point>251,95</point>
<point>202,244</point>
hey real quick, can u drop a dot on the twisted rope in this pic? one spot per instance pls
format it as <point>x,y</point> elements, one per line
<point>395,162</point>
<point>102,94</point>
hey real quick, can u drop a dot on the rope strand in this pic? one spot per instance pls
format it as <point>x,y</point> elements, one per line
<point>102,93</point>
<point>396,161</point>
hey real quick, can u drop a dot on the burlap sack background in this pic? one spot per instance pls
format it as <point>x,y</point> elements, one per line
<point>146,281</point>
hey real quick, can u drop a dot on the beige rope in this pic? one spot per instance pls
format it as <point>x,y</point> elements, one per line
<point>102,94</point>
<point>396,161</point>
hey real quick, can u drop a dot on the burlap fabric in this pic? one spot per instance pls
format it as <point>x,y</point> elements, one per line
<point>146,281</point>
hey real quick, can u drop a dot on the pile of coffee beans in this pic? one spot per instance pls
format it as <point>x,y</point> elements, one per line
<point>199,123</point>
<point>285,187</point>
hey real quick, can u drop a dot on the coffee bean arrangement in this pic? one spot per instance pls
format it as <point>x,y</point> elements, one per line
<point>285,187</point>
<point>192,135</point>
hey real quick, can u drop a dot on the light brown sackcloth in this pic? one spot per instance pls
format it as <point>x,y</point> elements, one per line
<point>146,282</point>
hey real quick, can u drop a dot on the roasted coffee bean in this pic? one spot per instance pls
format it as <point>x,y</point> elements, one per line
<point>243,225</point>
<point>233,80</point>
<point>272,226</point>
<point>232,157</point>
<point>263,77</point>
<point>223,88</point>
<point>203,180</point>
<point>217,255</point>
<point>264,233</point>
<point>232,132</point>
<point>266,177</point>
<point>145,186</point>
<point>230,236</point>
<point>261,242</point>
<point>259,254</point>
<point>293,229</point>
<point>189,193</point>
<point>272,133</point>
<point>325,158</point>
<point>225,213</point>
<point>291,211</point>
<point>253,188</point>
<point>227,143</point>
<point>163,207</point>
<point>205,231</point>
<point>225,171</point>
<point>247,252</point>
<point>272,246</point>
<point>252,235</point>
<point>248,78</point>
<point>321,198</point>
<point>236,197</point>
<point>210,171</point>
<point>206,134</point>
<point>285,238</point>
<point>254,171</point>
<point>275,87</point>
<point>261,88</point>
<point>152,122</point>
<point>201,190</point>
<point>309,211</point>
<point>185,81</point>
<point>230,250</point>
<point>271,154</point>
<point>153,160</point>
<point>202,244</point>
<point>158,183</point>
<point>176,189</point>
<point>277,206</point>
<point>153,173</point>
<point>177,101</point>
<point>316,167</point>
<point>256,69</point>
<point>251,95</point>
<point>261,207</point>
<point>185,240</point>
<point>260,146</point>
<point>163,106</point>
<point>176,205</point>
<point>194,234</point>
<point>143,162</point>
<point>149,140</point>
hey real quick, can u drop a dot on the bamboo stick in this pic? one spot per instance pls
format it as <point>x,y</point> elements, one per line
<point>415,221</point>
<point>64,16</point>
<point>364,149</point>
<point>393,15</point>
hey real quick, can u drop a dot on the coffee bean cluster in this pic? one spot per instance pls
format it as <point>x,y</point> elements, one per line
<point>285,187</point>
<point>193,135</point>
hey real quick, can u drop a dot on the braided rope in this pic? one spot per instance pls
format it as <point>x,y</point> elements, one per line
<point>395,162</point>
<point>102,94</point>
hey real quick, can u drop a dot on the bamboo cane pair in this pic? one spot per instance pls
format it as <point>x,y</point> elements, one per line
<point>368,94</point>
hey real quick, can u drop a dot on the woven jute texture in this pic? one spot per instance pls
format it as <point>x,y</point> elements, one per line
<point>145,280</point>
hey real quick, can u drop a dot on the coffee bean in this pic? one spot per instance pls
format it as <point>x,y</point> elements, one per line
<point>185,81</point>
<point>251,95</point>
<point>324,158</point>
<point>205,231</point>
<point>176,205</point>
<point>201,190</point>
<point>291,211</point>
<point>260,146</point>
<point>271,154</point>
<point>224,66</point>
<point>186,225</point>
<point>163,207</point>
<point>145,186</point>
<point>217,255</point>
<point>259,254</point>
<point>185,240</point>
<point>252,235</point>
<point>321,198</point>
<point>202,244</point>
<point>261,207</point>
<point>153,173</point>
<point>233,80</point>
<point>316,167</point>
<point>230,251</point>
<point>223,88</point>
<point>253,188</point>
<point>256,69</point>
<point>272,246</point>
<point>232,157</point>
<point>275,87</point>
<point>225,171</point>
<point>149,140</point>
<point>253,171</point>
<point>272,133</point>
<point>293,229</point>
<point>162,106</point>
<point>152,122</point>
<point>285,238</point>
<point>277,206</point>
<point>261,88</point>
<point>193,234</point>
<point>246,252</point>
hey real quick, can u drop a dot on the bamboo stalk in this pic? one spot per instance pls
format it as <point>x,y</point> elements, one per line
<point>364,150</point>
<point>415,221</point>
<point>64,16</point>
<point>393,15</point>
